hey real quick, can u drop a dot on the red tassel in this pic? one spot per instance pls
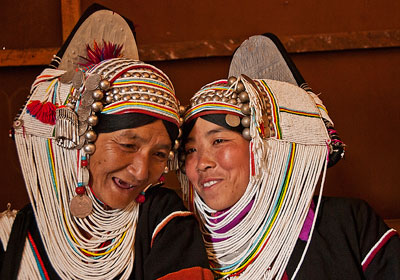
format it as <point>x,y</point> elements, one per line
<point>44,112</point>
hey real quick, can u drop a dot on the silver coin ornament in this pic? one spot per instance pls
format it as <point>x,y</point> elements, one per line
<point>80,206</point>
<point>92,82</point>
<point>77,80</point>
<point>67,77</point>
<point>86,98</point>
<point>232,120</point>
<point>83,126</point>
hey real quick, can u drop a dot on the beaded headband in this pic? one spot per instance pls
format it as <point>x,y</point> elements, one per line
<point>233,98</point>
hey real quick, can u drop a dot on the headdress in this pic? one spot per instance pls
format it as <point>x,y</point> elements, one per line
<point>289,146</point>
<point>55,134</point>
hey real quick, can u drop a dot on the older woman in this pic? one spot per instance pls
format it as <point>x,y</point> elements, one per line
<point>254,152</point>
<point>94,142</point>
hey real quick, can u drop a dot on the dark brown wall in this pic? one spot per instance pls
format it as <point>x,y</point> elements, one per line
<point>359,87</point>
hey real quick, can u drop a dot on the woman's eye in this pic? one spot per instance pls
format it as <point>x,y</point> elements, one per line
<point>190,150</point>
<point>218,141</point>
<point>127,146</point>
<point>161,155</point>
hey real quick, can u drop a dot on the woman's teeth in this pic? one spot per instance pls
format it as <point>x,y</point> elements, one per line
<point>209,184</point>
<point>122,184</point>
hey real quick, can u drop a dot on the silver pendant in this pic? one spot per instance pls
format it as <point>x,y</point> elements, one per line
<point>81,206</point>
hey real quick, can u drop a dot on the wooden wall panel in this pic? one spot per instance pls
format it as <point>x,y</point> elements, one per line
<point>359,87</point>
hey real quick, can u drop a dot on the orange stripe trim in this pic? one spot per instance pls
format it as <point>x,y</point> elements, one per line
<point>166,220</point>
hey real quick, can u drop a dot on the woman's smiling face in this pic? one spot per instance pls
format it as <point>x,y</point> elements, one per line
<point>217,164</point>
<point>126,161</point>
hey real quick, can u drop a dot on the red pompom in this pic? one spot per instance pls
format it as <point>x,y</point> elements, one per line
<point>84,162</point>
<point>44,112</point>
<point>140,198</point>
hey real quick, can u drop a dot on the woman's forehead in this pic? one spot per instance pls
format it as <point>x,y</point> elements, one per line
<point>204,128</point>
<point>155,130</point>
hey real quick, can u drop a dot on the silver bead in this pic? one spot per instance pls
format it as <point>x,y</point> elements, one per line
<point>234,95</point>
<point>135,96</point>
<point>97,106</point>
<point>246,133</point>
<point>89,148</point>
<point>142,89</point>
<point>126,97</point>
<point>160,100</point>
<point>208,98</point>
<point>216,98</point>
<point>171,155</point>
<point>180,121</point>
<point>93,120</point>
<point>146,75</point>
<point>245,121</point>
<point>126,75</point>
<point>134,88</point>
<point>232,101</point>
<point>117,97</point>
<point>240,87</point>
<point>115,90</point>
<point>153,76</point>
<point>244,96</point>
<point>231,80</point>
<point>90,136</point>
<point>104,84</point>
<point>153,98</point>
<point>151,90</point>
<point>246,109</point>
<point>144,97</point>
<point>182,109</point>
<point>109,99</point>
<point>98,95</point>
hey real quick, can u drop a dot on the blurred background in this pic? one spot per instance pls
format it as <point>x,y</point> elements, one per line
<point>349,51</point>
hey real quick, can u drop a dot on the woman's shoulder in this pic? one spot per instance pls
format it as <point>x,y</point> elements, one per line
<point>344,207</point>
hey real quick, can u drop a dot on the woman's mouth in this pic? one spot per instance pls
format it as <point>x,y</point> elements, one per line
<point>209,184</point>
<point>122,184</point>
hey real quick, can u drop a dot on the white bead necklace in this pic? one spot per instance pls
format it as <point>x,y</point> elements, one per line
<point>74,255</point>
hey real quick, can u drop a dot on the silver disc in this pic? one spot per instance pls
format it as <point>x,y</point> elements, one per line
<point>77,80</point>
<point>83,126</point>
<point>80,206</point>
<point>66,78</point>
<point>84,113</point>
<point>93,81</point>
<point>232,120</point>
<point>87,98</point>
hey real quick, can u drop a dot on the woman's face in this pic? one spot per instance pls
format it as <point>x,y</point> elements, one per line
<point>217,163</point>
<point>127,161</point>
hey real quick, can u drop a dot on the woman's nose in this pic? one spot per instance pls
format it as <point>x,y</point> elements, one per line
<point>139,167</point>
<point>205,161</point>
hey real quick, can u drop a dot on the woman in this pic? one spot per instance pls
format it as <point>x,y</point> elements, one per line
<point>254,151</point>
<point>93,144</point>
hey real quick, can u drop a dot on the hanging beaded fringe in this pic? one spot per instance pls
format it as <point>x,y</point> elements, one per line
<point>66,127</point>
